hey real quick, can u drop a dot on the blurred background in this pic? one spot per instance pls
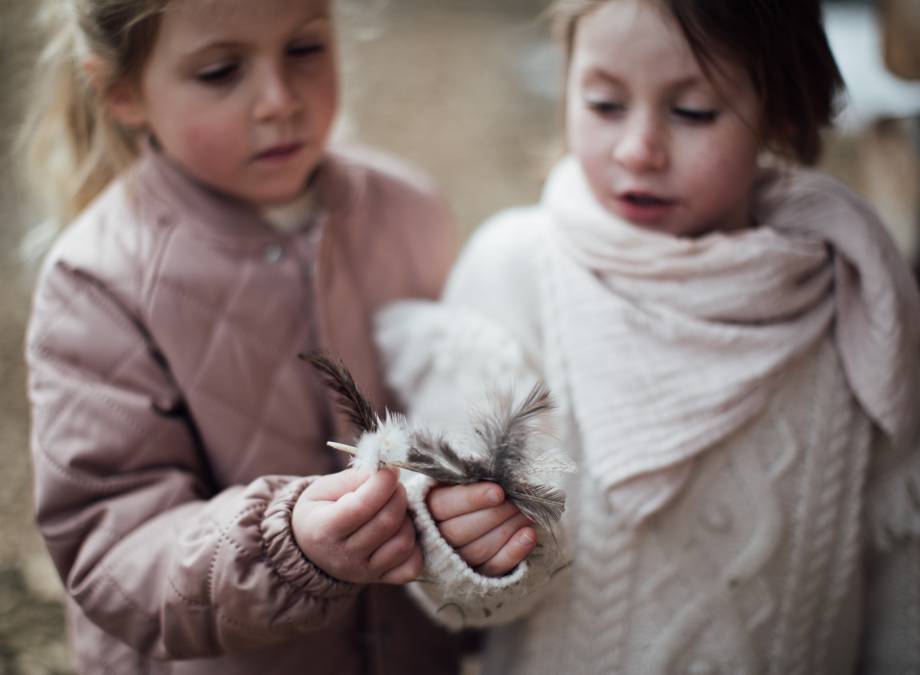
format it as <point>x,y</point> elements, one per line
<point>468,91</point>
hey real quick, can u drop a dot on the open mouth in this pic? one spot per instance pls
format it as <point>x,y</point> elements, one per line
<point>642,199</point>
<point>643,208</point>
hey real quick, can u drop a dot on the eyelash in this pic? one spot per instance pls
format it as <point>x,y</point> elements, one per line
<point>696,116</point>
<point>690,115</point>
<point>604,108</point>
<point>225,73</point>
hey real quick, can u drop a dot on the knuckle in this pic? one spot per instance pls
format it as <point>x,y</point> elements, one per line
<point>510,527</point>
<point>490,569</point>
<point>405,541</point>
<point>399,549</point>
<point>436,505</point>
<point>449,532</point>
<point>351,507</point>
<point>388,520</point>
<point>351,547</point>
<point>474,554</point>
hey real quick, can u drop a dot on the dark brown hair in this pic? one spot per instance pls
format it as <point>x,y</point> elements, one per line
<point>782,46</point>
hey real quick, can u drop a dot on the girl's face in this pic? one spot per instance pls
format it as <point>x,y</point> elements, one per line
<point>662,146</point>
<point>240,94</point>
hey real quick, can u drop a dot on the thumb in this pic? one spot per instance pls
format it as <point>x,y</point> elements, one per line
<point>332,486</point>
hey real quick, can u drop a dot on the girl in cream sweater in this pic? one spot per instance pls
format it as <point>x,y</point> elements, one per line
<point>734,351</point>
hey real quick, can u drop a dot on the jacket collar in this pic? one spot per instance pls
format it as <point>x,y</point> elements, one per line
<point>172,196</point>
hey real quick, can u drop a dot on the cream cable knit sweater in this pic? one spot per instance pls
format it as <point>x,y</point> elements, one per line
<point>792,547</point>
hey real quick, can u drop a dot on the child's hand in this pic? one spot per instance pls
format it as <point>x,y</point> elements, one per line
<point>488,532</point>
<point>356,528</point>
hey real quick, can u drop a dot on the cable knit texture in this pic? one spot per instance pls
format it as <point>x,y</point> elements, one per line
<point>784,542</point>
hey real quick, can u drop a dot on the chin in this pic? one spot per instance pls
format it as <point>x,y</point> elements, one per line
<point>278,197</point>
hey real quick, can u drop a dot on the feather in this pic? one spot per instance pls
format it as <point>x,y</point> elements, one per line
<point>506,431</point>
<point>349,398</point>
<point>508,454</point>
<point>543,504</point>
<point>433,456</point>
<point>507,435</point>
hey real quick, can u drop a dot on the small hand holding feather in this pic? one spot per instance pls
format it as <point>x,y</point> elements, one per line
<point>356,528</point>
<point>489,533</point>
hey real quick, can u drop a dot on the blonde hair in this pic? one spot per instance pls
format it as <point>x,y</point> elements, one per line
<point>70,146</point>
<point>564,16</point>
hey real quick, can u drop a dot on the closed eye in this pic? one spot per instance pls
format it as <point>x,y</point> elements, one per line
<point>219,74</point>
<point>695,115</point>
<point>603,108</point>
<point>305,50</point>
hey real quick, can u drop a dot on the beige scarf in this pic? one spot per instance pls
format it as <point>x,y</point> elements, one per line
<point>671,345</point>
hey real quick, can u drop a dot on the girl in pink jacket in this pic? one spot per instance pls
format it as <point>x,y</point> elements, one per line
<point>212,237</point>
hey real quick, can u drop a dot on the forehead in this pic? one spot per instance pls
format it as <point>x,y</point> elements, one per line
<point>626,36</point>
<point>633,40</point>
<point>207,17</point>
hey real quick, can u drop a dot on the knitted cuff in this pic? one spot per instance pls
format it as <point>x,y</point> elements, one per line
<point>443,565</point>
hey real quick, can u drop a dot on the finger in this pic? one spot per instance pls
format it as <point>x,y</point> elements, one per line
<point>511,554</point>
<point>487,546</point>
<point>352,510</point>
<point>396,550</point>
<point>449,501</point>
<point>334,485</point>
<point>408,571</point>
<point>464,529</point>
<point>381,527</point>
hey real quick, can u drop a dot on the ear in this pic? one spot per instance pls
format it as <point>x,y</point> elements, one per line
<point>122,98</point>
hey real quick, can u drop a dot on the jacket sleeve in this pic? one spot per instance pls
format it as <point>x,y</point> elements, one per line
<point>144,542</point>
<point>444,360</point>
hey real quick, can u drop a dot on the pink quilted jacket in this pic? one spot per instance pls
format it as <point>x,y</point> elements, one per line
<point>174,427</point>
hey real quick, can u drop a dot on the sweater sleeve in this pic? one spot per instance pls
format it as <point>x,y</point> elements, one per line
<point>146,545</point>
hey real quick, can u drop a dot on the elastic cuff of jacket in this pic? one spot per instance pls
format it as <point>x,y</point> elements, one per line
<point>442,563</point>
<point>285,555</point>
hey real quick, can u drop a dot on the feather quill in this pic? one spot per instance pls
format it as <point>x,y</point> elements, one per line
<point>508,454</point>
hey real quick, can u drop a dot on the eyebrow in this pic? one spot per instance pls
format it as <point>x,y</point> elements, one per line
<point>318,19</point>
<point>597,72</point>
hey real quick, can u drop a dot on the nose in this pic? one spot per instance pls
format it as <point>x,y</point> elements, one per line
<point>642,145</point>
<point>276,97</point>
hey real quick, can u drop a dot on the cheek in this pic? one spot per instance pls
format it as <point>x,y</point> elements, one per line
<point>208,143</point>
<point>729,161</point>
<point>587,139</point>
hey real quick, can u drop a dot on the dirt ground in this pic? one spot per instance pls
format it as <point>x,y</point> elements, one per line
<point>465,89</point>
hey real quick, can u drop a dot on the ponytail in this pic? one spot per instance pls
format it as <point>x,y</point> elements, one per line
<point>70,146</point>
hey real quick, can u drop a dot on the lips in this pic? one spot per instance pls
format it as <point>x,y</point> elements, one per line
<point>639,198</point>
<point>279,152</point>
<point>643,207</point>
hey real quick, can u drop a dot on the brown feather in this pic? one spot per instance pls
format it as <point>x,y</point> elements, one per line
<point>348,397</point>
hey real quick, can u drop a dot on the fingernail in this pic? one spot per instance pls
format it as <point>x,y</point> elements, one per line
<point>527,537</point>
<point>494,496</point>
